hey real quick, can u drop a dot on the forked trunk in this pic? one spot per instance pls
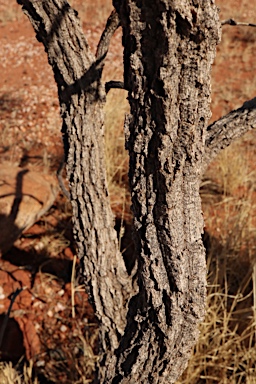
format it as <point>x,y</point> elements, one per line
<point>169,47</point>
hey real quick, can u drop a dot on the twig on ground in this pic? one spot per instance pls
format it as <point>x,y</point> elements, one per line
<point>73,288</point>
<point>7,315</point>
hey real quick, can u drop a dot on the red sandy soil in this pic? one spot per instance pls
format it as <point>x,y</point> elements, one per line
<point>30,130</point>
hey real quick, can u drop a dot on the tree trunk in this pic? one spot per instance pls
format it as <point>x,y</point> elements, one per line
<point>168,51</point>
<point>82,96</point>
<point>169,47</point>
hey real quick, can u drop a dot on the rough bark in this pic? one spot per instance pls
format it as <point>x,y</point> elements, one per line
<point>169,47</point>
<point>168,51</point>
<point>82,96</point>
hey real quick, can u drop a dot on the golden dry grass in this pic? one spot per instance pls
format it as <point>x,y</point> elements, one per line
<point>116,155</point>
<point>9,375</point>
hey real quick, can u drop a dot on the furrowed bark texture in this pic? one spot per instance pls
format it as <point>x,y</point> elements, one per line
<point>169,47</point>
<point>82,97</point>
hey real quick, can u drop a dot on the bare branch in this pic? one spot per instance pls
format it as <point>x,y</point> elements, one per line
<point>233,22</point>
<point>114,84</point>
<point>113,23</point>
<point>222,132</point>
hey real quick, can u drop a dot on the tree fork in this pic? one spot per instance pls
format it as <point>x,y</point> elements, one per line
<point>169,47</point>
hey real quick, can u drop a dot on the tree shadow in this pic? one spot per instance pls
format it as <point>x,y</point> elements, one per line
<point>124,231</point>
<point>9,230</point>
<point>11,348</point>
<point>31,260</point>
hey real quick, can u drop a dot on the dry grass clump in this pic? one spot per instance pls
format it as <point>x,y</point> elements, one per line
<point>9,375</point>
<point>225,352</point>
<point>235,166</point>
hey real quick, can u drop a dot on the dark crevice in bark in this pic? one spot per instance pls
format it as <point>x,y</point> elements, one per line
<point>183,26</point>
<point>168,307</point>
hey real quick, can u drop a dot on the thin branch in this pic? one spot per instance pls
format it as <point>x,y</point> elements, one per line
<point>113,23</point>
<point>233,22</point>
<point>114,84</point>
<point>222,132</point>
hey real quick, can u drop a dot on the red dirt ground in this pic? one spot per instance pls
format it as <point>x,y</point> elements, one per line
<point>30,130</point>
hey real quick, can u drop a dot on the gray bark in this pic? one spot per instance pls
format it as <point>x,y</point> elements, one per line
<point>146,336</point>
<point>82,96</point>
<point>168,51</point>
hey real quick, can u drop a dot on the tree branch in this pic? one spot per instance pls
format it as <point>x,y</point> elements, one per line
<point>113,84</point>
<point>112,24</point>
<point>233,22</point>
<point>222,132</point>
